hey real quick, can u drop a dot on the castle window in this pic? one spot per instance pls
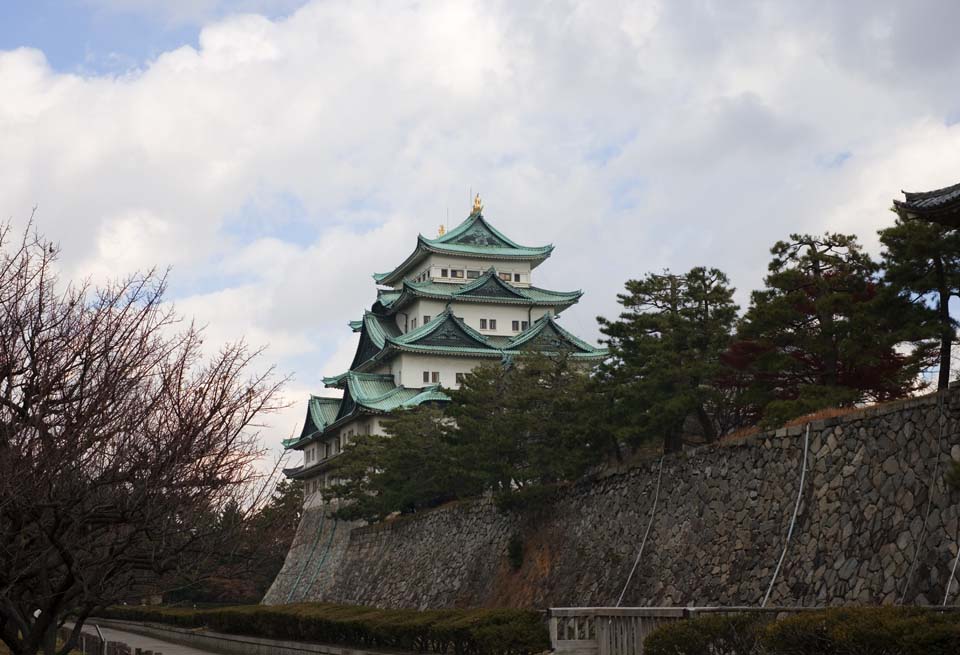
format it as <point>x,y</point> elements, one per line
<point>516,277</point>
<point>483,324</point>
<point>456,273</point>
<point>516,326</point>
<point>506,277</point>
<point>435,377</point>
<point>524,325</point>
<point>413,324</point>
<point>426,376</point>
<point>426,319</point>
<point>461,377</point>
<point>493,324</point>
<point>443,272</point>
<point>473,275</point>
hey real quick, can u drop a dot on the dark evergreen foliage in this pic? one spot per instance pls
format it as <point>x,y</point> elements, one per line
<point>665,352</point>
<point>508,429</point>
<point>827,332</point>
<point>836,631</point>
<point>922,261</point>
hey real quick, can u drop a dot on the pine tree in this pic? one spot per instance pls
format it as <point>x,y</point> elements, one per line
<point>665,355</point>
<point>410,468</point>
<point>526,424</point>
<point>826,332</point>
<point>921,260</point>
<point>508,429</point>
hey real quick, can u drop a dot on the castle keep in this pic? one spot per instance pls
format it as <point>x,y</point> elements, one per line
<point>462,299</point>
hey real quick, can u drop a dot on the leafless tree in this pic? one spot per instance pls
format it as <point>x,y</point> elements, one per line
<point>119,440</point>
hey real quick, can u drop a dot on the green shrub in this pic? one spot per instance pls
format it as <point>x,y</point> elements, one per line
<point>836,631</point>
<point>734,634</point>
<point>453,632</point>
<point>867,630</point>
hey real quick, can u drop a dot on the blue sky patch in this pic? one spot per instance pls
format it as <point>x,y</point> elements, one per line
<point>833,159</point>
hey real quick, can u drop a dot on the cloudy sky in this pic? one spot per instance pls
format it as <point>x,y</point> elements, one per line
<point>278,152</point>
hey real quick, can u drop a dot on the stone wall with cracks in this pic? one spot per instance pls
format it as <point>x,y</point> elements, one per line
<point>877,523</point>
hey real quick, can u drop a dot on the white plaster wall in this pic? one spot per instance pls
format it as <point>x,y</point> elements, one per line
<point>414,365</point>
<point>471,313</point>
<point>420,308</point>
<point>433,264</point>
<point>361,425</point>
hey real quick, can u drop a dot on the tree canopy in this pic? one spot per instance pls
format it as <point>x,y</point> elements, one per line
<point>508,428</point>
<point>665,350</point>
<point>922,261</point>
<point>827,331</point>
<point>119,437</point>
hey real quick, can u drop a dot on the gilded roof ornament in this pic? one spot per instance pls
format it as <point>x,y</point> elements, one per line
<point>441,231</point>
<point>477,205</point>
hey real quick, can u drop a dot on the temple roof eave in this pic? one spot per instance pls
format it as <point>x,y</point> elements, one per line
<point>441,246</point>
<point>392,301</point>
<point>939,206</point>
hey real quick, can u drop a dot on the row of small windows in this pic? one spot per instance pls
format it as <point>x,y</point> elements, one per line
<point>316,484</point>
<point>324,450</point>
<point>433,377</point>
<point>321,451</point>
<point>485,324</point>
<point>491,324</point>
<point>413,321</point>
<point>465,273</point>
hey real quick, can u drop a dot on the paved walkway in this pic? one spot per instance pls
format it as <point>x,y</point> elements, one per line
<point>144,643</point>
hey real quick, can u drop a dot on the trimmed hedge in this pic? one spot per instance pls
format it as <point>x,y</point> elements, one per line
<point>453,632</point>
<point>735,634</point>
<point>881,630</point>
<point>836,631</point>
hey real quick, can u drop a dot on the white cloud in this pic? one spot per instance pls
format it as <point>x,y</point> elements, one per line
<point>285,159</point>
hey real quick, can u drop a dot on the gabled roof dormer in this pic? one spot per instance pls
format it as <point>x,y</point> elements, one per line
<point>321,412</point>
<point>546,335</point>
<point>444,333</point>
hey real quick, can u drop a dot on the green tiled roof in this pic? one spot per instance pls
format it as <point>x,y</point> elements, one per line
<point>447,334</point>
<point>377,391</point>
<point>488,288</point>
<point>356,325</point>
<point>321,412</point>
<point>474,237</point>
<point>374,330</point>
<point>363,393</point>
<point>546,335</point>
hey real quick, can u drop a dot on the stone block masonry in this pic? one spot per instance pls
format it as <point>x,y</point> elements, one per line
<point>877,523</point>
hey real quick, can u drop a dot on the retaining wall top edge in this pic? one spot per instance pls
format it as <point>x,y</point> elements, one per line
<point>751,441</point>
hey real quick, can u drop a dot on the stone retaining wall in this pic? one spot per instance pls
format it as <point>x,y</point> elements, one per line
<point>877,524</point>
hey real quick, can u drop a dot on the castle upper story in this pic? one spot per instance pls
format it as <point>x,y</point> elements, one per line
<point>458,301</point>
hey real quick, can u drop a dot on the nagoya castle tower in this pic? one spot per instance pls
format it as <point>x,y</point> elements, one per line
<point>460,300</point>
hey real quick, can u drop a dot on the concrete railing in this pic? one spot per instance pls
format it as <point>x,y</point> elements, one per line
<point>622,630</point>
